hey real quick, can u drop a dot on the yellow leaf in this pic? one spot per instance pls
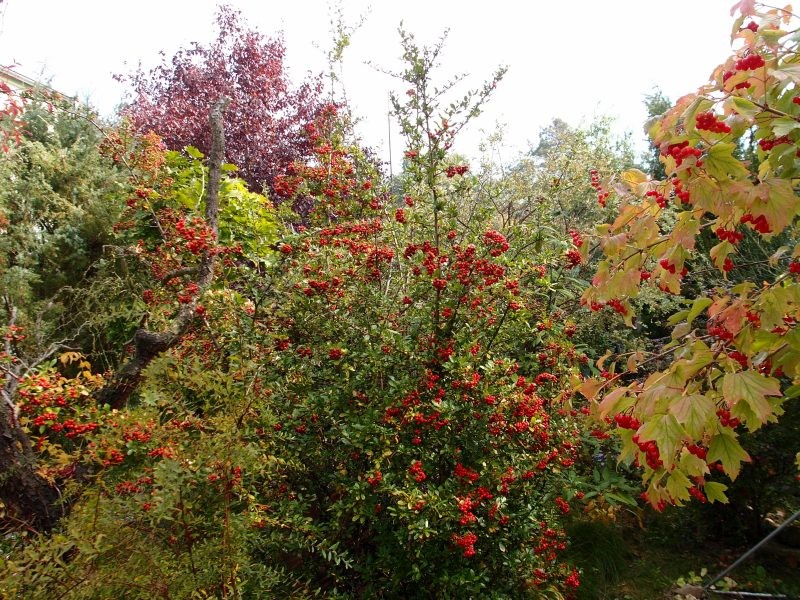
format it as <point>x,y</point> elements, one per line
<point>725,448</point>
<point>693,413</point>
<point>603,359</point>
<point>590,387</point>
<point>70,357</point>
<point>715,492</point>
<point>632,365</point>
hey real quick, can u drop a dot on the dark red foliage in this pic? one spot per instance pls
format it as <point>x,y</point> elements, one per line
<point>265,119</point>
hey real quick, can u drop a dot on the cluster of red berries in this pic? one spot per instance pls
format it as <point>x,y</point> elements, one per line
<point>573,258</point>
<point>467,542</point>
<point>335,353</point>
<point>669,267</point>
<point>113,457</point>
<point>465,506</point>
<point>659,506</point>
<point>543,378</point>
<point>698,451</point>
<point>188,293</point>
<point>720,332</point>
<point>400,215</point>
<point>682,151</point>
<point>577,240</point>
<point>739,357</point>
<point>749,62</point>
<point>496,241</point>
<point>698,495</point>
<point>730,235</point>
<point>602,196</point>
<point>130,487</point>
<point>707,121</point>
<point>161,452</point>
<point>199,237</point>
<point>768,144</point>
<point>680,193</point>
<point>416,471</point>
<point>759,223</point>
<point>794,267</point>
<point>550,542</point>
<point>726,420</point>
<point>651,453</point>
<point>728,265</point>
<point>375,479</point>
<point>753,317</point>
<point>624,421</point>
<point>562,505</point>
<point>658,197</point>
<point>463,472</point>
<point>617,305</point>
<point>454,170</point>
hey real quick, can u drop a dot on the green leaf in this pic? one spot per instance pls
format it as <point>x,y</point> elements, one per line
<point>784,125</point>
<point>698,306</point>
<point>692,465</point>
<point>782,205</point>
<point>720,162</point>
<point>720,252</point>
<point>693,412</point>
<point>678,486</point>
<point>677,317</point>
<point>744,107</point>
<point>194,152</point>
<point>752,388</point>
<point>726,448</point>
<point>715,492</point>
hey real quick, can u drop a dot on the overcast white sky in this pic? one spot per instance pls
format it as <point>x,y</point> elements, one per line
<point>572,60</point>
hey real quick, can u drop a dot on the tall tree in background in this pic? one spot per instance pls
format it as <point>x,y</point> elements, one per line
<point>266,115</point>
<point>656,104</point>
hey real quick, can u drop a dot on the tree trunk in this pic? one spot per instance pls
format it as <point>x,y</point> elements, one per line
<point>30,500</point>
<point>149,344</point>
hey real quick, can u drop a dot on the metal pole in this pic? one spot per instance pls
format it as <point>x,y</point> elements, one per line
<point>752,550</point>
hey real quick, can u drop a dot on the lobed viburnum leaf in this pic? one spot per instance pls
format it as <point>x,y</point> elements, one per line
<point>781,207</point>
<point>678,486</point>
<point>743,106</point>
<point>692,465</point>
<point>693,413</point>
<point>720,252</point>
<point>724,447</point>
<point>752,389</point>
<point>715,492</point>
<point>720,162</point>
<point>684,233</point>
<point>784,125</point>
